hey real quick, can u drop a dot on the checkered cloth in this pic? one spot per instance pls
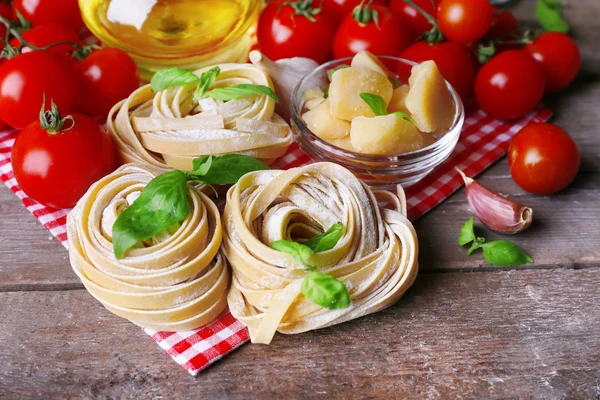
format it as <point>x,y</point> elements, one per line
<point>482,142</point>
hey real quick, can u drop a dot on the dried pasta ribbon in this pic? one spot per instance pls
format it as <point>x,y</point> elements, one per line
<point>178,281</point>
<point>168,129</point>
<point>376,258</point>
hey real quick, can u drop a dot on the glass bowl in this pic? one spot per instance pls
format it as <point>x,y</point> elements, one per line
<point>382,171</point>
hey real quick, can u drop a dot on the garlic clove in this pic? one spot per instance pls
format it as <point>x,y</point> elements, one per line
<point>285,74</point>
<point>497,212</point>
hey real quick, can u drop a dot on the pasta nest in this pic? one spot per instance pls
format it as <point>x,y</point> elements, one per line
<point>376,258</point>
<point>169,129</point>
<point>175,281</point>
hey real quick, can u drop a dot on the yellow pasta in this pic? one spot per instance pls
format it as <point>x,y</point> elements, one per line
<point>376,258</point>
<point>178,281</point>
<point>169,129</point>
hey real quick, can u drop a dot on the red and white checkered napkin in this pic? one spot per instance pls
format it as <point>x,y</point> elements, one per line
<point>482,142</point>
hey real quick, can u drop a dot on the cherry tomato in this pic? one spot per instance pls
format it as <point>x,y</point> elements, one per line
<point>26,78</point>
<point>509,85</point>
<point>464,20</point>
<point>415,21</point>
<point>543,158</point>
<point>64,12</point>
<point>505,26</point>
<point>387,37</point>
<point>341,8</point>
<point>56,169</point>
<point>105,77</point>
<point>282,34</point>
<point>48,33</point>
<point>6,11</point>
<point>559,57</point>
<point>452,59</point>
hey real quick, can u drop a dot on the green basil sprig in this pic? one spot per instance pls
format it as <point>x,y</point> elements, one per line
<point>549,15</point>
<point>224,170</point>
<point>174,76</point>
<point>241,90</point>
<point>379,108</point>
<point>164,201</point>
<point>322,289</point>
<point>499,252</point>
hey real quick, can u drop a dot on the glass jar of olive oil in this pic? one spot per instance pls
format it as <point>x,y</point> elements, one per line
<point>184,33</point>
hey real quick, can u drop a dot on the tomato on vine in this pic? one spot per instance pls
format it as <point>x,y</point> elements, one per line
<point>464,20</point>
<point>296,28</point>
<point>48,33</point>
<point>55,159</point>
<point>543,158</point>
<point>417,23</point>
<point>559,57</point>
<point>64,12</point>
<point>26,78</point>
<point>505,26</point>
<point>372,28</point>
<point>341,8</point>
<point>106,76</point>
<point>509,85</point>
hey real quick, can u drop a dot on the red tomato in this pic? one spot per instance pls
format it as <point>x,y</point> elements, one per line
<point>341,8</point>
<point>559,57</point>
<point>543,158</point>
<point>105,77</point>
<point>509,85</point>
<point>48,33</point>
<point>452,59</point>
<point>388,37</point>
<point>504,25</point>
<point>281,34</point>
<point>5,11</point>
<point>416,22</point>
<point>26,78</point>
<point>64,12</point>
<point>56,169</point>
<point>464,20</point>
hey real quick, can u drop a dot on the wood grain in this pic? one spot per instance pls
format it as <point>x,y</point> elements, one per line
<point>477,335</point>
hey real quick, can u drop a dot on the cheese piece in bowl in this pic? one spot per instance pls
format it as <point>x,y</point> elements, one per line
<point>365,109</point>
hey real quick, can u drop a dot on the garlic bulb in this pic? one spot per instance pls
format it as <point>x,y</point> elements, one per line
<point>497,212</point>
<point>285,74</point>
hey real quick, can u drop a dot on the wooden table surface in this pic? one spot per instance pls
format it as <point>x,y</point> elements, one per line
<point>464,330</point>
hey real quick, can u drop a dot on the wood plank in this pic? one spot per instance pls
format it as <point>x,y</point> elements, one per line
<point>516,334</point>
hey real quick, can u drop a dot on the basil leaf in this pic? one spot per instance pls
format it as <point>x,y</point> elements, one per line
<point>223,170</point>
<point>404,116</point>
<point>242,90</point>
<point>467,233</point>
<point>375,103</point>
<point>206,79</point>
<point>163,202</point>
<point>326,92</point>
<point>504,254</point>
<point>549,15</point>
<point>171,77</point>
<point>328,240</point>
<point>325,290</point>
<point>297,250</point>
<point>333,70</point>
<point>395,81</point>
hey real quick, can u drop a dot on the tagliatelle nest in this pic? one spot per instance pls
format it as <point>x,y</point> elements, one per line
<point>177,281</point>
<point>376,258</point>
<point>169,129</point>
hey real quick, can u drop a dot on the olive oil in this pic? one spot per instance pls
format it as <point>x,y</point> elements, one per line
<point>185,33</point>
